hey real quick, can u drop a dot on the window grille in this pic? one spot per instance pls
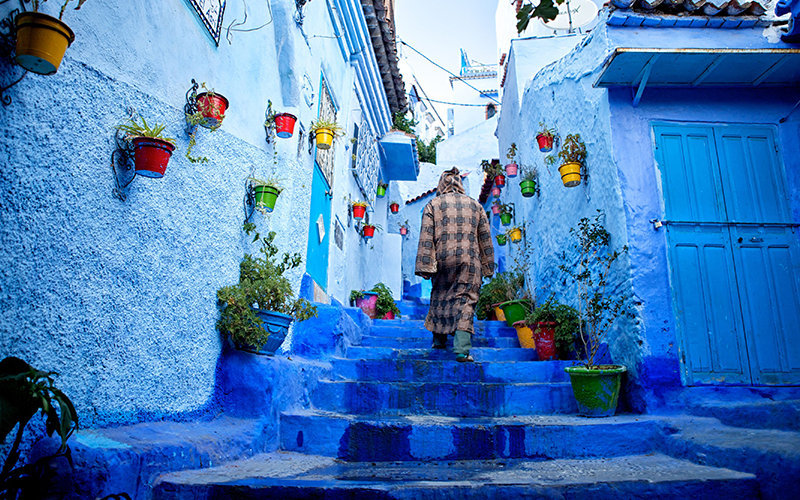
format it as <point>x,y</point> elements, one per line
<point>327,111</point>
<point>367,161</point>
<point>210,12</point>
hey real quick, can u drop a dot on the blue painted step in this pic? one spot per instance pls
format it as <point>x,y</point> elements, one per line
<point>449,438</point>
<point>420,342</point>
<point>479,353</point>
<point>422,370</point>
<point>294,476</point>
<point>444,398</point>
<point>417,327</point>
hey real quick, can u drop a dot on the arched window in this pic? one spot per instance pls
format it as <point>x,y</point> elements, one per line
<point>491,110</point>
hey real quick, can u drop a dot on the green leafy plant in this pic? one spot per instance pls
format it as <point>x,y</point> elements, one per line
<point>529,174</point>
<point>25,391</point>
<point>355,295</point>
<point>546,10</point>
<point>505,208</point>
<point>385,301</point>
<point>567,326</point>
<point>262,285</point>
<point>491,169</point>
<point>134,129</point>
<point>400,122</point>
<point>598,307</point>
<point>512,152</point>
<point>383,184</point>
<point>376,226</point>
<point>331,125</point>
<point>573,150</point>
<point>196,118</point>
<point>502,288</point>
<point>36,3</point>
<point>546,131</point>
<point>427,152</point>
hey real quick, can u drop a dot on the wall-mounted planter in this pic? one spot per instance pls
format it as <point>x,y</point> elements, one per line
<point>381,191</point>
<point>394,208</point>
<point>213,107</point>
<point>496,192</point>
<point>528,188</point>
<point>266,196</point>
<point>42,41</point>
<point>501,239</point>
<point>500,180</point>
<point>515,235</point>
<point>368,231</point>
<point>496,209</point>
<point>545,337</point>
<point>545,142</point>
<point>324,138</point>
<point>570,174</point>
<point>505,218</point>
<point>404,230</point>
<point>151,156</point>
<point>358,211</point>
<point>284,125</point>
<point>511,170</point>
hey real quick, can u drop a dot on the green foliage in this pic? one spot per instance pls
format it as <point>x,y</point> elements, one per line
<point>550,160</point>
<point>529,174</point>
<point>400,122</point>
<point>331,125</point>
<point>385,301</point>
<point>24,391</point>
<point>427,152</point>
<point>512,151</point>
<point>545,10</point>
<point>573,150</point>
<point>567,320</point>
<point>598,308</point>
<point>270,181</point>
<point>355,295</point>
<point>546,131</point>
<point>502,288</point>
<point>491,169</point>
<point>262,285</point>
<point>135,129</point>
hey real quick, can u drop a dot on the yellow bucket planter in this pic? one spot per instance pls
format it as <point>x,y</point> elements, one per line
<point>324,138</point>
<point>41,42</point>
<point>524,335</point>
<point>570,174</point>
<point>515,235</point>
<point>498,312</point>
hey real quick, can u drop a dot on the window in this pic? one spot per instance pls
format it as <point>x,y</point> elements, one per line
<point>491,110</point>
<point>327,111</point>
<point>210,13</point>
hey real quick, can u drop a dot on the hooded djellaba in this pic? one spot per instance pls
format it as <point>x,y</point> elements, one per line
<point>455,251</point>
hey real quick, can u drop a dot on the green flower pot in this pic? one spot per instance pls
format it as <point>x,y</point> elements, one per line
<point>381,191</point>
<point>528,188</point>
<point>515,310</point>
<point>266,196</point>
<point>596,391</point>
<point>501,239</point>
<point>505,218</point>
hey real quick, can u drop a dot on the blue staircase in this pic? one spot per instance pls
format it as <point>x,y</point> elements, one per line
<point>394,418</point>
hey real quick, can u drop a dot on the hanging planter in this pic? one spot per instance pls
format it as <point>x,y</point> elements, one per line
<point>500,180</point>
<point>572,156</point>
<point>151,156</point>
<point>570,174</point>
<point>42,41</point>
<point>325,131</point>
<point>524,335</point>
<point>511,167</point>
<point>545,337</point>
<point>515,235</point>
<point>266,194</point>
<point>528,188</point>
<point>284,125</point>
<point>511,170</point>
<point>501,239</point>
<point>596,390</point>
<point>403,230</point>
<point>359,209</point>
<point>505,218</point>
<point>394,207</point>
<point>381,191</point>
<point>212,107</point>
<point>546,138</point>
<point>496,208</point>
<point>369,230</point>
<point>496,192</point>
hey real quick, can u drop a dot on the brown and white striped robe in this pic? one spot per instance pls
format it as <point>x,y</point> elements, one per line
<point>455,251</point>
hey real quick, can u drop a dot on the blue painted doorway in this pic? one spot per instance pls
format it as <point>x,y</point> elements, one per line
<point>734,253</point>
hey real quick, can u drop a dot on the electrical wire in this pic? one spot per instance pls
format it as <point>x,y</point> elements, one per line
<point>234,23</point>
<point>450,103</point>
<point>445,69</point>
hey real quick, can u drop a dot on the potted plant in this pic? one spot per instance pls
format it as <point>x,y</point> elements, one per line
<point>257,311</point>
<point>506,212</point>
<point>394,207</point>
<point>385,306</point>
<point>501,288</point>
<point>545,138</point>
<point>527,183</point>
<point>554,328</point>
<point>266,193</point>
<point>359,208</point>
<point>496,191</point>
<point>502,239</point>
<point>368,231</point>
<point>403,227</point>
<point>42,40</point>
<point>572,155</point>
<point>495,208</point>
<point>152,150</point>
<point>515,234</point>
<point>596,386</point>
<point>511,167</point>
<point>381,192</point>
<point>366,301</point>
<point>325,131</point>
<point>284,124</point>
<point>211,108</point>
<point>25,391</point>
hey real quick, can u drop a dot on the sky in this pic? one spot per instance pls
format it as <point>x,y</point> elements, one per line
<point>438,29</point>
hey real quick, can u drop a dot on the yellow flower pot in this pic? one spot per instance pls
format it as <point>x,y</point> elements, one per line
<point>515,235</point>
<point>498,312</point>
<point>570,174</point>
<point>41,42</point>
<point>524,335</point>
<point>324,138</point>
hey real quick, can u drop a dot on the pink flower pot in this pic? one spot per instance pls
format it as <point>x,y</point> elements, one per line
<point>511,170</point>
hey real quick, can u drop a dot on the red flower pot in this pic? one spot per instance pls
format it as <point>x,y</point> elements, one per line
<point>496,209</point>
<point>151,156</point>
<point>404,230</point>
<point>284,125</point>
<point>496,192</point>
<point>389,315</point>
<point>358,211</point>
<point>369,231</point>
<point>394,207</point>
<point>367,303</point>
<point>545,337</point>
<point>500,180</point>
<point>511,170</point>
<point>212,107</point>
<point>545,142</point>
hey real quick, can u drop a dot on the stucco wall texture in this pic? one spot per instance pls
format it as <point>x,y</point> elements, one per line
<point>120,297</point>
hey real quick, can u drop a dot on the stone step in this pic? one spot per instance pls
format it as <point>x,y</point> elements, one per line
<point>450,438</point>
<point>417,370</point>
<point>481,354</point>
<point>763,414</point>
<point>417,328</point>
<point>444,398</point>
<point>295,476</point>
<point>423,342</point>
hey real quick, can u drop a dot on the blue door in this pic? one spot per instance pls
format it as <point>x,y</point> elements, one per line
<point>318,233</point>
<point>733,252</point>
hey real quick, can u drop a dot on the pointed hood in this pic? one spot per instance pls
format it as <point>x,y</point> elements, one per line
<point>450,182</point>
